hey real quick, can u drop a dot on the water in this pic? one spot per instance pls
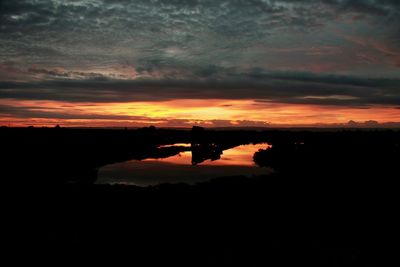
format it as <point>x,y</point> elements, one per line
<point>177,169</point>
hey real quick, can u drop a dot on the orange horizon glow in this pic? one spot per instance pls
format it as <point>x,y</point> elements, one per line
<point>183,113</point>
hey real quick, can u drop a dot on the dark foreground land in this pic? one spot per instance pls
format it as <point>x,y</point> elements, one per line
<point>332,200</point>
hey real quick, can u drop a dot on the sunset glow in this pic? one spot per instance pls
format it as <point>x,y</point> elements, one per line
<point>184,113</point>
<point>100,63</point>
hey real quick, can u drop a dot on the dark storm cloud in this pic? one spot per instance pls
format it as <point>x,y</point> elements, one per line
<point>299,88</point>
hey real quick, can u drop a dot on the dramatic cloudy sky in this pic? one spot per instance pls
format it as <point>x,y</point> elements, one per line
<point>208,62</point>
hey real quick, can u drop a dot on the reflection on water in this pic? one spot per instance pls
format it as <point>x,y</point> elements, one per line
<point>175,145</point>
<point>188,166</point>
<point>237,156</point>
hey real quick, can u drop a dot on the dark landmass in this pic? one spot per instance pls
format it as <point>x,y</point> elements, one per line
<point>332,200</point>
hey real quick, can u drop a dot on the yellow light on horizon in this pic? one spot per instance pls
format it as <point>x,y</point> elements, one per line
<point>206,112</point>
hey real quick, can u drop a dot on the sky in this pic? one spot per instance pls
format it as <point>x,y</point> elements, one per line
<point>178,63</point>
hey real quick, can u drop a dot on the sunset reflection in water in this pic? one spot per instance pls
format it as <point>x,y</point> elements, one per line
<point>237,156</point>
<point>237,161</point>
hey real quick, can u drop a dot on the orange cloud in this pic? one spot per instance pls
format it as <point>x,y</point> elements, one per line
<point>184,113</point>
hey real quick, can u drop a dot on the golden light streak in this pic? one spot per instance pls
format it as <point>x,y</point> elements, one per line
<point>209,112</point>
